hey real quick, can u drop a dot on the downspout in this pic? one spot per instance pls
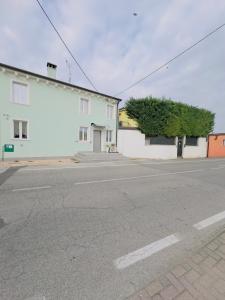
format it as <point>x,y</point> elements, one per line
<point>117,121</point>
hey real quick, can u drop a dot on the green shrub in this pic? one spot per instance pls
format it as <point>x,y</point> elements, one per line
<point>165,117</point>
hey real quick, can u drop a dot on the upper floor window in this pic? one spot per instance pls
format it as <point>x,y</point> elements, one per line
<point>20,93</point>
<point>20,130</point>
<point>108,136</point>
<point>83,134</point>
<point>110,112</point>
<point>84,106</point>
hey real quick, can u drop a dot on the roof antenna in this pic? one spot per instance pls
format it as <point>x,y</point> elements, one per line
<point>69,70</point>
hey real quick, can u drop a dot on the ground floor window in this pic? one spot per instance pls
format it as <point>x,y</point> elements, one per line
<point>20,129</point>
<point>108,136</point>
<point>159,140</point>
<point>83,134</point>
<point>191,141</point>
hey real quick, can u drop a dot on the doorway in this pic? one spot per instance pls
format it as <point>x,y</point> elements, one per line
<point>179,147</point>
<point>97,141</point>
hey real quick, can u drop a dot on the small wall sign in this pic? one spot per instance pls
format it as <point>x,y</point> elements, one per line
<point>8,148</point>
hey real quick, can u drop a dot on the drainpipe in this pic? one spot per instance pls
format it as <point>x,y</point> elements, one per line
<point>117,121</point>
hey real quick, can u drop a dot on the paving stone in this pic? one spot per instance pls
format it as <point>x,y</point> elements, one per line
<point>196,267</point>
<point>164,281</point>
<point>175,282</point>
<point>209,262</point>
<point>212,246</point>
<point>221,265</point>
<point>197,258</point>
<point>154,287</point>
<point>213,254</point>
<point>185,296</point>
<point>179,271</point>
<point>203,291</point>
<point>222,249</point>
<point>207,280</point>
<point>220,286</point>
<point>157,297</point>
<point>192,276</point>
<point>141,295</point>
<point>169,293</point>
<point>190,288</point>
<point>187,267</point>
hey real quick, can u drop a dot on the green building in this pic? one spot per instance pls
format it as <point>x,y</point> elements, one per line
<point>44,117</point>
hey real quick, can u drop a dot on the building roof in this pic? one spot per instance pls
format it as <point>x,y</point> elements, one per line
<point>213,134</point>
<point>57,81</point>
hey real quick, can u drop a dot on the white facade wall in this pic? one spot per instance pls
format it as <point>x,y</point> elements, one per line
<point>199,151</point>
<point>131,143</point>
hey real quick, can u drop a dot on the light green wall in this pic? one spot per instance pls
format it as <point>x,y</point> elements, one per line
<point>53,116</point>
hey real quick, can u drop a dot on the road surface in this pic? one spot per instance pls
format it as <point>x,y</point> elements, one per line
<point>104,230</point>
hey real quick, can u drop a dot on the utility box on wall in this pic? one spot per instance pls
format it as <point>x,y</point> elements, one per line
<point>8,148</point>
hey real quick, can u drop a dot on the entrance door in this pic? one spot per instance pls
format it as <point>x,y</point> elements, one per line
<point>179,147</point>
<point>97,141</point>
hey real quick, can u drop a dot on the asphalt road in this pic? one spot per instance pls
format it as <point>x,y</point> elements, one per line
<point>103,231</point>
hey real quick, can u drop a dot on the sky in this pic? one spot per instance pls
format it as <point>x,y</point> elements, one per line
<point>116,48</point>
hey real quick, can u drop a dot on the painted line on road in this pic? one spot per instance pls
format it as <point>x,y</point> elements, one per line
<point>32,188</point>
<point>137,177</point>
<point>218,168</point>
<point>210,221</point>
<point>145,252</point>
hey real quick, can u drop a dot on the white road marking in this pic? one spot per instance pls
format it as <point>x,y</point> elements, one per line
<point>137,177</point>
<point>210,221</point>
<point>140,254</point>
<point>218,168</point>
<point>32,188</point>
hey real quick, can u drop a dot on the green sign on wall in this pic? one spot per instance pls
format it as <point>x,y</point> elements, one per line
<point>8,148</point>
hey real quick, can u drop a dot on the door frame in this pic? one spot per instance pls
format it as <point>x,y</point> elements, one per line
<point>180,149</point>
<point>100,148</point>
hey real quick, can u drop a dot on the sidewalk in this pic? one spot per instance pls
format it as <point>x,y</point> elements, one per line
<point>201,276</point>
<point>38,162</point>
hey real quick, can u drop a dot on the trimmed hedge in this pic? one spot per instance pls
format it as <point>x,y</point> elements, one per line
<point>168,118</point>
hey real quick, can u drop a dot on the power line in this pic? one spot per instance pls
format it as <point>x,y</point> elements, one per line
<point>64,43</point>
<point>171,60</point>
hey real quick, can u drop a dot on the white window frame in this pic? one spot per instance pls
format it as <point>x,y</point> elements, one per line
<point>88,134</point>
<point>107,136</point>
<point>89,106</point>
<point>113,112</point>
<point>20,130</point>
<point>28,92</point>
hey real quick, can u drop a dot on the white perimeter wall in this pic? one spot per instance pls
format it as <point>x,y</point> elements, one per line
<point>131,143</point>
<point>196,151</point>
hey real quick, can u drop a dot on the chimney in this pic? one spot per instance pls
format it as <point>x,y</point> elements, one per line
<point>51,70</point>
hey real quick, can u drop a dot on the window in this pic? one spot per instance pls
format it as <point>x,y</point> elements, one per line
<point>108,136</point>
<point>83,134</point>
<point>84,106</point>
<point>191,141</point>
<point>20,130</point>
<point>19,93</point>
<point>110,112</point>
<point>159,140</point>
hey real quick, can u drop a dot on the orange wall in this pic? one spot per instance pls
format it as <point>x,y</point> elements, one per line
<point>216,146</point>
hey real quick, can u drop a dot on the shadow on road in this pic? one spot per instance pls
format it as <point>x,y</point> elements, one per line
<point>8,173</point>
